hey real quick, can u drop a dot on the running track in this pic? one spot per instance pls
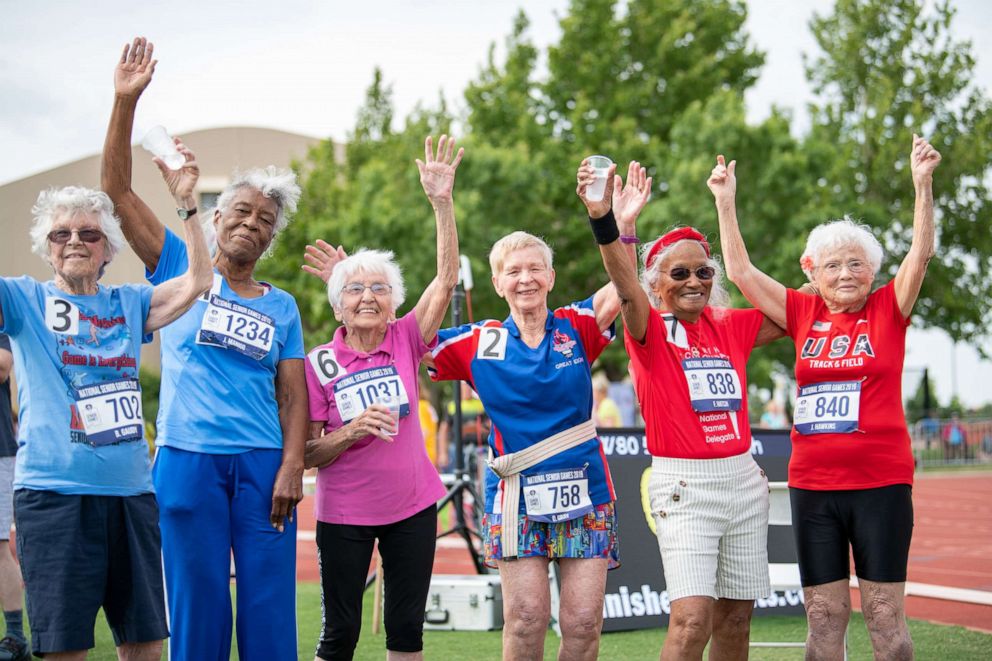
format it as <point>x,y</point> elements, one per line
<point>952,546</point>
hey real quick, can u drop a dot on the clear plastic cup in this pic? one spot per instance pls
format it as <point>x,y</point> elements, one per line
<point>392,402</point>
<point>159,142</point>
<point>596,190</point>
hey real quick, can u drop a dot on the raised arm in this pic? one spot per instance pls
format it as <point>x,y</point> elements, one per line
<point>763,291</point>
<point>437,176</point>
<point>615,215</point>
<point>174,297</point>
<point>141,228</point>
<point>909,278</point>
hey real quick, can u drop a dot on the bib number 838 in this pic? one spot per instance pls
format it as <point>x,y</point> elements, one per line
<point>721,383</point>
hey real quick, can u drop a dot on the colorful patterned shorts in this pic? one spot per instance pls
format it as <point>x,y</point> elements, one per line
<point>591,536</point>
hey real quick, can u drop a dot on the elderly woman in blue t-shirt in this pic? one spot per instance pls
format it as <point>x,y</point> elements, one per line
<point>84,504</point>
<point>233,411</point>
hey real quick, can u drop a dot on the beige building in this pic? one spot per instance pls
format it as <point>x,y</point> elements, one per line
<point>218,151</point>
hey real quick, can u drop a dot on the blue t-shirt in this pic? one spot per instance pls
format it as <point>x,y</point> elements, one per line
<point>219,364</point>
<point>531,394</point>
<point>64,345</point>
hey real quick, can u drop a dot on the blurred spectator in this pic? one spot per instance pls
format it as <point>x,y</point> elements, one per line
<point>475,427</point>
<point>428,420</point>
<point>774,416</point>
<point>955,439</point>
<point>605,411</point>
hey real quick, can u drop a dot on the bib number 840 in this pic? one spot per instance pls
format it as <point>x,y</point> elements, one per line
<point>836,406</point>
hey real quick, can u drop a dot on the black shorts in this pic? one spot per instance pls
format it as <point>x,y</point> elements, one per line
<point>876,524</point>
<point>80,553</point>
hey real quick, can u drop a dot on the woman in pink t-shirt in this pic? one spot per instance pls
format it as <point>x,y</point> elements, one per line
<point>375,480</point>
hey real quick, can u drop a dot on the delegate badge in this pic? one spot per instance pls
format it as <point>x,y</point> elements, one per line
<point>111,411</point>
<point>713,384</point>
<point>234,326</point>
<point>559,495</point>
<point>828,408</point>
<point>354,393</point>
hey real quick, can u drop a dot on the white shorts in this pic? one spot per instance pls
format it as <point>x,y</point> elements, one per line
<point>6,496</point>
<point>711,517</point>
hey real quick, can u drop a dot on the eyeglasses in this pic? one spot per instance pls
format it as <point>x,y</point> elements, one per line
<point>61,237</point>
<point>855,267</point>
<point>681,273</point>
<point>357,288</point>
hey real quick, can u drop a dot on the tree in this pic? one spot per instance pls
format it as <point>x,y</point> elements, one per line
<point>889,68</point>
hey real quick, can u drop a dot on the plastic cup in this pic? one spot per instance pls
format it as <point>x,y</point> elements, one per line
<point>596,190</point>
<point>159,142</point>
<point>392,402</point>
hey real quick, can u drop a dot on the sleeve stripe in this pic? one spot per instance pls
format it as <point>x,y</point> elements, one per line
<point>451,341</point>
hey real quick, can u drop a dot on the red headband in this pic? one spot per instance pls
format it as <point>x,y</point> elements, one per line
<point>676,235</point>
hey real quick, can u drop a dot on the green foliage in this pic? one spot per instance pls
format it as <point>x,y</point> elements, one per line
<point>151,383</point>
<point>890,68</point>
<point>662,82</point>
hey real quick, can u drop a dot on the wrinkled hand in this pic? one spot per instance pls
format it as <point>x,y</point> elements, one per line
<point>181,182</point>
<point>585,177</point>
<point>322,259</point>
<point>135,68</point>
<point>286,493</point>
<point>923,160</point>
<point>437,173</point>
<point>629,200</point>
<point>723,181</point>
<point>374,420</point>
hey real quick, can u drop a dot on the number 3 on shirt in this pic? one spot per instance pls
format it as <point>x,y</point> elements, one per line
<point>492,344</point>
<point>61,316</point>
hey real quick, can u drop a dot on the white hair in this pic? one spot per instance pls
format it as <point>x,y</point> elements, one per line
<point>719,297</point>
<point>70,201</point>
<point>836,234</point>
<point>277,184</point>
<point>514,241</point>
<point>370,262</point>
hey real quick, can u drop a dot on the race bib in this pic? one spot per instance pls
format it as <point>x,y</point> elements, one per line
<point>559,495</point>
<point>61,316</point>
<point>828,408</point>
<point>234,326</point>
<point>356,392</point>
<point>325,365</point>
<point>713,384</point>
<point>111,411</point>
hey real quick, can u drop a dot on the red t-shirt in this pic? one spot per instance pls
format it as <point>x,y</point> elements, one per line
<point>849,365</point>
<point>684,374</point>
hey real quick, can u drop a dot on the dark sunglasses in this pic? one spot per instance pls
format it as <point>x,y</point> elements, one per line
<point>61,237</point>
<point>681,273</point>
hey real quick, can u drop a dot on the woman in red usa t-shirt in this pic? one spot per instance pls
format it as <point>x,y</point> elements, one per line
<point>851,472</point>
<point>689,351</point>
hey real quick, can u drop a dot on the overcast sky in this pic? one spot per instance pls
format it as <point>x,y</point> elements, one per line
<point>304,67</point>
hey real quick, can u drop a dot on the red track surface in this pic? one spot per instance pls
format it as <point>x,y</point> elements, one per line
<point>952,546</point>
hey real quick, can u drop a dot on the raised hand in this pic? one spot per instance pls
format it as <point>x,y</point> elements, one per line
<point>181,182</point>
<point>437,173</point>
<point>923,160</point>
<point>585,177</point>
<point>323,257</point>
<point>723,181</point>
<point>629,200</point>
<point>135,68</point>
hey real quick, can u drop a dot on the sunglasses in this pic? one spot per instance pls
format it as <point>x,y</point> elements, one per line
<point>61,237</point>
<point>681,273</point>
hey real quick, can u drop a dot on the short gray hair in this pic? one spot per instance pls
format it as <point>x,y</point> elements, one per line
<point>369,261</point>
<point>72,200</point>
<point>277,184</point>
<point>514,241</point>
<point>836,234</point>
<point>719,297</point>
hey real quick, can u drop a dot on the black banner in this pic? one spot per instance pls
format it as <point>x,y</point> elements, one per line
<point>635,592</point>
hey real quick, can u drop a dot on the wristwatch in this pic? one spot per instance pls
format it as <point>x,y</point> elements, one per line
<point>185,214</point>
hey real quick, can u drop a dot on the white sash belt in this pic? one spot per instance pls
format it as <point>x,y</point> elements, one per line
<point>509,467</point>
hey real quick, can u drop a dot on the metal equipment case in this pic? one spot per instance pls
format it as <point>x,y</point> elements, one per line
<point>464,603</point>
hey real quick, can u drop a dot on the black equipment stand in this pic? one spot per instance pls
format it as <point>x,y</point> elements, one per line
<point>463,483</point>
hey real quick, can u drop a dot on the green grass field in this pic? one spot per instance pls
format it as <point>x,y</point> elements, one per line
<point>933,641</point>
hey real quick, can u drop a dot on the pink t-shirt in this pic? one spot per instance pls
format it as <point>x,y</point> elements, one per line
<point>373,482</point>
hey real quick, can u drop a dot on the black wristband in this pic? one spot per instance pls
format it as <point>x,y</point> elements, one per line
<point>605,229</point>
